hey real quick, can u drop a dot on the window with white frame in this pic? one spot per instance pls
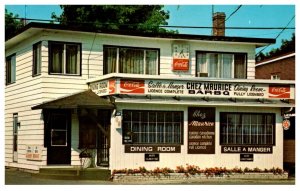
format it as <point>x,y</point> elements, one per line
<point>221,65</point>
<point>64,58</point>
<point>11,69</point>
<point>275,77</point>
<point>37,59</point>
<point>130,60</point>
<point>150,127</point>
<point>247,129</point>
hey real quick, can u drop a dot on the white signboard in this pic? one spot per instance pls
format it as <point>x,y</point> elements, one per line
<point>195,89</point>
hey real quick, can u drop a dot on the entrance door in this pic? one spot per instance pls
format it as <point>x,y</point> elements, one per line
<point>104,117</point>
<point>59,138</point>
<point>15,137</point>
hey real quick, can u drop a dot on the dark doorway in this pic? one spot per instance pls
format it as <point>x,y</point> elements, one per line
<point>104,117</point>
<point>58,137</point>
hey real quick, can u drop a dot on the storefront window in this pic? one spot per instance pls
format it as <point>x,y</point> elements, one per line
<point>221,65</point>
<point>247,129</point>
<point>130,60</point>
<point>148,127</point>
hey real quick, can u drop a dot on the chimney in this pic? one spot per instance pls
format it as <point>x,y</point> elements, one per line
<point>219,24</point>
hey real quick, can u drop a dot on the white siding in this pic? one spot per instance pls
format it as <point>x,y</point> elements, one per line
<point>120,160</point>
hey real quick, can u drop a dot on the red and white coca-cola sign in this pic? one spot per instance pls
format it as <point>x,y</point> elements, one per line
<point>279,91</point>
<point>132,86</point>
<point>180,64</point>
<point>112,86</point>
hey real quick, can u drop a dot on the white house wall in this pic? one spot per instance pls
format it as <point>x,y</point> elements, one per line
<point>121,160</point>
<point>28,91</point>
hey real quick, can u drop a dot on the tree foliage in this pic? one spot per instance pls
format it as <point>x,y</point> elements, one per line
<point>139,18</point>
<point>12,25</point>
<point>286,47</point>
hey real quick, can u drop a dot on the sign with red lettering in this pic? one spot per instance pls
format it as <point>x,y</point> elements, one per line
<point>180,64</point>
<point>132,86</point>
<point>112,86</point>
<point>279,91</point>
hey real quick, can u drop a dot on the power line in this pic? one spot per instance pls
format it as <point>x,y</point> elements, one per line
<point>277,35</point>
<point>233,12</point>
<point>167,26</point>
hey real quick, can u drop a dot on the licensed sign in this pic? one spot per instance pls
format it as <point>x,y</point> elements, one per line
<point>187,88</point>
<point>151,157</point>
<point>246,157</point>
<point>201,130</point>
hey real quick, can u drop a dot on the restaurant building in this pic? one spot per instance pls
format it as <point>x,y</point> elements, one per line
<point>128,100</point>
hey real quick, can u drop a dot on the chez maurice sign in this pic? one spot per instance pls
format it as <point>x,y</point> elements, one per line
<point>193,88</point>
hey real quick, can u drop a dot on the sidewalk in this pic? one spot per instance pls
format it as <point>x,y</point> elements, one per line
<point>16,177</point>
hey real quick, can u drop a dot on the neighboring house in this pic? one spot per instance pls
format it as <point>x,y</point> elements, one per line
<point>277,68</point>
<point>282,67</point>
<point>131,100</point>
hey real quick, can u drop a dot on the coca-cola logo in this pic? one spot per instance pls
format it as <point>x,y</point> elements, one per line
<point>181,64</point>
<point>279,91</point>
<point>132,86</point>
<point>112,86</point>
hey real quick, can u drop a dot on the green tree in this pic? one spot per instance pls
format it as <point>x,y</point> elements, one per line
<point>139,18</point>
<point>12,25</point>
<point>286,47</point>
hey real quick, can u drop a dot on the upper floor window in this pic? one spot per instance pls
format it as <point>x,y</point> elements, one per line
<point>64,58</point>
<point>130,60</point>
<point>221,65</point>
<point>37,59</point>
<point>11,69</point>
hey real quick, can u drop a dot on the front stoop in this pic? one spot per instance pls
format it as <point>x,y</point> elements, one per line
<point>74,174</point>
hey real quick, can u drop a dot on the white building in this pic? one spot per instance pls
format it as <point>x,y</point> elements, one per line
<point>134,100</point>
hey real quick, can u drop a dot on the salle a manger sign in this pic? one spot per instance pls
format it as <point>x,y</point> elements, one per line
<point>161,87</point>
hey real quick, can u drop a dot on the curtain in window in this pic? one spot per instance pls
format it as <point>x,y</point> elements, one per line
<point>110,60</point>
<point>37,59</point>
<point>131,61</point>
<point>227,65</point>
<point>213,65</point>
<point>239,66</point>
<point>57,51</point>
<point>151,56</point>
<point>72,59</point>
<point>201,64</point>
<point>13,68</point>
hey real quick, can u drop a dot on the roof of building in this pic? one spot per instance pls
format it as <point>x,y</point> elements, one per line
<point>275,58</point>
<point>258,41</point>
<point>85,99</point>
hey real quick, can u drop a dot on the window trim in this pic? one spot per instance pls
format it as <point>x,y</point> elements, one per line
<point>6,69</point>
<point>64,61</point>
<point>34,64</point>
<point>129,47</point>
<point>156,143</point>
<point>221,52</point>
<point>248,113</point>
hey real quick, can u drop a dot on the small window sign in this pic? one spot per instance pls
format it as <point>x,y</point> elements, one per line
<point>246,157</point>
<point>151,157</point>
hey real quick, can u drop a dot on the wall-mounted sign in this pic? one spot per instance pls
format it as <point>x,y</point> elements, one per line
<point>247,149</point>
<point>152,148</point>
<point>286,124</point>
<point>151,157</point>
<point>33,152</point>
<point>187,88</point>
<point>181,55</point>
<point>246,157</point>
<point>201,130</point>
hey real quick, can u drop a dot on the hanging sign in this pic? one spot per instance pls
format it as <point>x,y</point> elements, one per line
<point>286,124</point>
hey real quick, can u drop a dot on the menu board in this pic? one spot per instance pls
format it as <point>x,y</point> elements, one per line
<point>201,130</point>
